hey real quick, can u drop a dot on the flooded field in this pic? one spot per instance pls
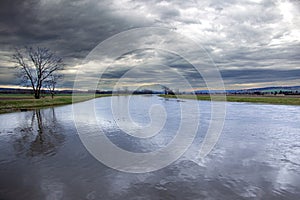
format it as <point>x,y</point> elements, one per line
<point>256,157</point>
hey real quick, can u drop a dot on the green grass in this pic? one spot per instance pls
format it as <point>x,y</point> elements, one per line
<point>243,98</point>
<point>18,102</point>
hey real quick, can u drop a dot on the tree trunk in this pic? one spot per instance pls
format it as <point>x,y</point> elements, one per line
<point>37,94</point>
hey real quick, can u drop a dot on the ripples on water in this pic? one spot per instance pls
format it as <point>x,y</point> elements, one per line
<point>257,156</point>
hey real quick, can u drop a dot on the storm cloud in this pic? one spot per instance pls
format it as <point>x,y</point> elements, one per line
<point>252,42</point>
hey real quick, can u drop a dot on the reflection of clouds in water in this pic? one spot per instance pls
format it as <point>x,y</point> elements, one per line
<point>261,150</point>
<point>52,189</point>
<point>284,178</point>
<point>287,175</point>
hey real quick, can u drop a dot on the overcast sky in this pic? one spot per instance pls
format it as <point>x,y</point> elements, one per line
<point>254,43</point>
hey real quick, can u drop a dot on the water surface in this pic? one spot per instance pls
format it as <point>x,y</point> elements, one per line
<point>256,157</point>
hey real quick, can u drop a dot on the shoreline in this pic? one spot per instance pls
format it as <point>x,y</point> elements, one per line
<point>22,102</point>
<point>275,100</point>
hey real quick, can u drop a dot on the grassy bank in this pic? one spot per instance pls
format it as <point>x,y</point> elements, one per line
<point>23,102</point>
<point>243,98</point>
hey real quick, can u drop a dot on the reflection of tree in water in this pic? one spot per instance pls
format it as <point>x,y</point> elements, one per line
<point>40,134</point>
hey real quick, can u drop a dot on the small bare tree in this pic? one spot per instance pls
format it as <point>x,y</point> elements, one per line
<point>51,83</point>
<point>35,66</point>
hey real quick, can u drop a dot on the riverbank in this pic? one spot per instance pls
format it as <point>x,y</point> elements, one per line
<point>282,100</point>
<point>23,102</point>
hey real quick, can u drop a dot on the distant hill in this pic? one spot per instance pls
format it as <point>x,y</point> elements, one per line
<point>273,89</point>
<point>253,90</point>
<point>15,91</point>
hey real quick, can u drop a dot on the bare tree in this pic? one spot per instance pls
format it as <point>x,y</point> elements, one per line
<point>167,90</point>
<point>51,82</point>
<point>35,66</point>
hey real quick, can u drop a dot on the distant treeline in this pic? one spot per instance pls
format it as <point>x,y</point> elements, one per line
<point>15,91</point>
<point>279,93</point>
<point>147,91</point>
<point>29,91</point>
<point>251,92</point>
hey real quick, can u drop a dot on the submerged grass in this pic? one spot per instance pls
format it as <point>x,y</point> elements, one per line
<point>243,98</point>
<point>23,102</point>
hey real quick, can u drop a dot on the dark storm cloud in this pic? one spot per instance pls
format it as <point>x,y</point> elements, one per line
<point>261,75</point>
<point>7,76</point>
<point>251,41</point>
<point>72,28</point>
